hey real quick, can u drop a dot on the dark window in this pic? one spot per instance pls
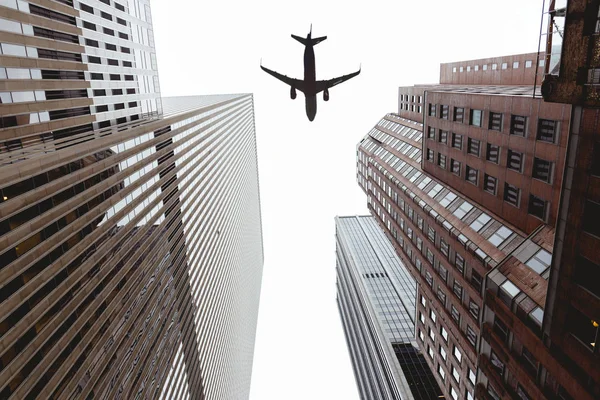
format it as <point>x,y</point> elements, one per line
<point>518,125</point>
<point>495,121</point>
<point>119,106</point>
<point>106,15</point>
<point>123,35</point>
<point>431,133</point>
<point>93,43</point>
<point>476,280</point>
<point>86,8</point>
<point>116,92</point>
<point>490,184</point>
<point>443,272</point>
<point>547,130</point>
<point>51,74</point>
<point>591,216</point>
<point>100,109</point>
<point>457,289</point>
<point>432,110</point>
<point>473,146</point>
<point>471,175</point>
<point>596,160</point>
<point>132,104</point>
<point>58,55</point>
<point>445,110</point>
<point>442,160</point>
<point>474,309</point>
<point>51,14</point>
<point>71,112</point>
<point>131,91</point>
<point>94,59</point>
<point>476,117</point>
<point>121,21</point>
<point>430,155</point>
<point>587,274</point>
<point>542,170</point>
<point>530,361</point>
<point>128,77</point>
<point>113,62</point>
<point>457,141</point>
<point>89,25</point>
<point>110,46</point>
<point>500,329</point>
<point>54,35</point>
<point>127,64</point>
<point>115,77</point>
<point>471,335</point>
<point>455,167</point>
<point>107,2</point>
<point>582,327</point>
<point>431,234</point>
<point>443,136</point>
<point>121,120</point>
<point>455,314</point>
<point>514,160</point>
<point>459,263</point>
<point>65,94</point>
<point>496,363</point>
<point>119,7</point>
<point>96,76</point>
<point>459,113</point>
<point>108,31</point>
<point>126,50</point>
<point>493,153</point>
<point>511,194</point>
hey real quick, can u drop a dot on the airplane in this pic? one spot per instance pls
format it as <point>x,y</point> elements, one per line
<point>310,86</point>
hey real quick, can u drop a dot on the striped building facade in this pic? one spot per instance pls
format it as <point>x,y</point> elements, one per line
<point>130,234</point>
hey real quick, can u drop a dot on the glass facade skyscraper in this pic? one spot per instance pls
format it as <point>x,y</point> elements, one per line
<point>130,231</point>
<point>376,299</point>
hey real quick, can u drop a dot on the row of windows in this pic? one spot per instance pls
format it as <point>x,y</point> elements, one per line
<point>547,130</point>
<point>105,15</point>
<point>105,30</point>
<point>411,98</point>
<point>494,66</point>
<point>107,46</point>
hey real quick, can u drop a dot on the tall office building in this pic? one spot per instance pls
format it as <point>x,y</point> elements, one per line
<point>130,234</point>
<point>376,299</point>
<point>467,181</point>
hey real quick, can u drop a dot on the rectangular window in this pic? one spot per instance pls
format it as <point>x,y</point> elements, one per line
<point>528,64</point>
<point>518,125</point>
<point>457,354</point>
<point>456,377</point>
<point>495,121</point>
<point>471,336</point>
<point>457,141</point>
<point>442,372</point>
<point>443,136</point>
<point>429,278</point>
<point>430,257</point>
<point>582,327</point>
<point>515,64</point>
<point>444,334</point>
<point>433,317</point>
<point>490,184</point>
<point>496,363</point>
<point>431,133</point>
<point>591,216</point>
<point>431,234</point>
<point>472,175</point>
<point>110,46</point>
<point>493,153</point>
<point>459,114</point>
<point>500,329</point>
<point>473,147</point>
<point>432,110</point>
<point>443,353</point>
<point>587,274</point>
<point>547,130</point>
<point>504,65</point>
<point>442,161</point>
<point>514,160</point>
<point>542,170</point>
<point>430,155</point>
<point>445,110</point>
<point>538,207</point>
<point>455,314</point>
<point>455,167</point>
<point>512,194</point>
<point>476,117</point>
<point>474,309</point>
<point>441,295</point>
<point>476,280</point>
<point>444,247</point>
<point>459,263</point>
<point>108,31</point>
<point>472,376</point>
<point>443,272</point>
<point>457,289</point>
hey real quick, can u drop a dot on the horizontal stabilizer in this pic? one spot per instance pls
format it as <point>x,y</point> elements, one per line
<point>311,42</point>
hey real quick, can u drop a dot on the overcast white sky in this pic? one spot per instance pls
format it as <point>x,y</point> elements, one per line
<point>307,169</point>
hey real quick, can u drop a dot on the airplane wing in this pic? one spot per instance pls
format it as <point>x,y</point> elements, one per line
<point>322,85</point>
<point>296,83</point>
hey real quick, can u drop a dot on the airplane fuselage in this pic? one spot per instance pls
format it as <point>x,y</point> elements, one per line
<point>310,79</point>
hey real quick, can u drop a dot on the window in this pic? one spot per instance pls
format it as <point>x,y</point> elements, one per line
<point>497,364</point>
<point>428,276</point>
<point>476,117</point>
<point>430,352</point>
<point>119,7</point>
<point>459,113</point>
<point>96,76</point>
<point>530,361</point>
<point>587,274</point>
<point>512,194</point>
<point>422,318</point>
<point>504,65</point>
<point>457,354</point>
<point>468,68</point>
<point>595,171</point>
<point>528,64</point>
<point>473,147</point>
<point>444,334</point>
<point>431,234</point>
<point>121,21</point>
<point>423,301</point>
<point>515,64</point>
<point>453,69</point>
<point>115,77</point>
<point>591,216</point>
<point>485,67</point>
<point>444,247</point>
<point>106,15</point>
<point>457,289</point>
<point>474,309</point>
<point>443,272</point>
<point>493,153</point>
<point>457,141</point>
<point>453,392</point>
<point>459,263</point>
<point>538,207</point>
<point>441,295</point>
<point>518,125</point>
<point>582,327</point>
<point>420,222</point>
<point>421,336</point>
<point>123,36</point>
<point>95,60</point>
<point>476,68</point>
<point>443,353</point>
<point>431,133</point>
<point>110,46</point>
<point>455,314</point>
<point>443,136</point>
<point>99,92</point>
<point>472,376</point>
<point>86,8</point>
<point>514,160</point>
<point>494,67</point>
<point>455,167</point>
<point>419,243</point>
<point>445,110</point>
<point>455,375</point>
<point>542,170</point>
<point>108,31</point>
<point>432,110</point>
<point>442,161</point>
<point>476,280</point>
<point>490,184</point>
<point>112,62</point>
<point>471,175</point>
<point>432,334</point>
<point>460,69</point>
<point>547,130</point>
<point>92,43</point>
<point>495,121</point>
<point>89,25</point>
<point>430,155</point>
<point>471,336</point>
<point>441,370</point>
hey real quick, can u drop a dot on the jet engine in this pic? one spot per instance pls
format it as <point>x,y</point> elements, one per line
<point>293,92</point>
<point>326,95</point>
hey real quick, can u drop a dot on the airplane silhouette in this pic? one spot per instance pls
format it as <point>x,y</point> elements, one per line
<point>310,86</point>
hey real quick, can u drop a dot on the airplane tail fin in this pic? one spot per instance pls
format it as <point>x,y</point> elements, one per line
<point>312,41</point>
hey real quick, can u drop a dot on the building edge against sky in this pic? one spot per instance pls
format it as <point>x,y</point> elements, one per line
<point>130,231</point>
<point>376,300</point>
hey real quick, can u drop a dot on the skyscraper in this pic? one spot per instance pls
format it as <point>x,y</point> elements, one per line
<point>376,299</point>
<point>130,234</point>
<point>467,180</point>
